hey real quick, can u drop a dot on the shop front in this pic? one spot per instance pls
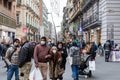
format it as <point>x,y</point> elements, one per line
<point>7,32</point>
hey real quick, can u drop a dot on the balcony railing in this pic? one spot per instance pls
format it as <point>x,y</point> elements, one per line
<point>18,2</point>
<point>31,26</point>
<point>92,19</point>
<point>86,3</point>
<point>7,21</point>
<point>7,12</point>
<point>74,11</point>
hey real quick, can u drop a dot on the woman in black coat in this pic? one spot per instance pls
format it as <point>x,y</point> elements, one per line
<point>62,50</point>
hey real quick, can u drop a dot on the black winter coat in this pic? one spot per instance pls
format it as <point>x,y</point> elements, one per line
<point>64,56</point>
<point>24,55</point>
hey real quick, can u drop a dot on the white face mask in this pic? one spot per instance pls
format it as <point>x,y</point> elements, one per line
<point>60,46</point>
<point>42,42</point>
<point>49,42</point>
<point>54,51</point>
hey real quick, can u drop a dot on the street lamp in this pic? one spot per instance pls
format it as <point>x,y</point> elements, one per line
<point>54,26</point>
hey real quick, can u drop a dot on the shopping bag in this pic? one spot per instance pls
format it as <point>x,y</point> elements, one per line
<point>92,65</point>
<point>70,60</point>
<point>36,75</point>
<point>117,56</point>
<point>113,56</point>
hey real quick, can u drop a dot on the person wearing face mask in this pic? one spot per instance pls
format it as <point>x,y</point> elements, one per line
<point>70,43</point>
<point>41,57</point>
<point>50,43</point>
<point>62,50</point>
<point>11,58</point>
<point>54,63</point>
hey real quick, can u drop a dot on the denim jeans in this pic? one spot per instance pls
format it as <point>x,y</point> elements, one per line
<point>107,54</point>
<point>11,70</point>
<point>75,69</point>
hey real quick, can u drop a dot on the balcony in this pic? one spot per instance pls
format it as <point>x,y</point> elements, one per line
<point>92,21</point>
<point>86,4</point>
<point>33,28</point>
<point>75,10</point>
<point>18,3</point>
<point>7,21</point>
<point>7,12</point>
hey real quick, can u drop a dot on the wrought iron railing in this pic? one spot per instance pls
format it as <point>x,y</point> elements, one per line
<point>7,21</point>
<point>91,19</point>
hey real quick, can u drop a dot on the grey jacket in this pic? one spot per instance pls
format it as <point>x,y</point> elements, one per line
<point>75,54</point>
<point>12,59</point>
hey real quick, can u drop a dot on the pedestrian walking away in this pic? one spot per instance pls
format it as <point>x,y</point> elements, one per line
<point>75,62</point>
<point>107,48</point>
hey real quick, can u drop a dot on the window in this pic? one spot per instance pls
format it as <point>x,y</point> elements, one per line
<point>27,2</point>
<point>0,1</point>
<point>9,34</point>
<point>29,19</point>
<point>18,17</point>
<point>26,18</point>
<point>9,5</point>
<point>18,1</point>
<point>5,3</point>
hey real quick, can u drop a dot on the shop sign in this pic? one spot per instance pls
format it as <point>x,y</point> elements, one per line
<point>25,30</point>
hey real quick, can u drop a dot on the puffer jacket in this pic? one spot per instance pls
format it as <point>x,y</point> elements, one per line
<point>75,54</point>
<point>24,55</point>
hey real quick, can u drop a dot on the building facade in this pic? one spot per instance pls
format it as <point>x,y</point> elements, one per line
<point>91,20</point>
<point>44,19</point>
<point>50,29</point>
<point>98,20</point>
<point>73,20</point>
<point>27,15</point>
<point>7,19</point>
<point>110,16</point>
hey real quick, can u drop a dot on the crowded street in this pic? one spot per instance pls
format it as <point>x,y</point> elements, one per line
<point>104,71</point>
<point>59,39</point>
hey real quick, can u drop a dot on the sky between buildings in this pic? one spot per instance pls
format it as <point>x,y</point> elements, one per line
<point>57,19</point>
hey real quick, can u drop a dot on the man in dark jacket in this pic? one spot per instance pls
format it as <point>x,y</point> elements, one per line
<point>107,48</point>
<point>24,59</point>
<point>93,50</point>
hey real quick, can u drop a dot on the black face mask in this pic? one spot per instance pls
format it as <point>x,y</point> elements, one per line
<point>17,46</point>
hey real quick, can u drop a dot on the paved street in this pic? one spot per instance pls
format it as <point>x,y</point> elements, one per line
<point>104,71</point>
